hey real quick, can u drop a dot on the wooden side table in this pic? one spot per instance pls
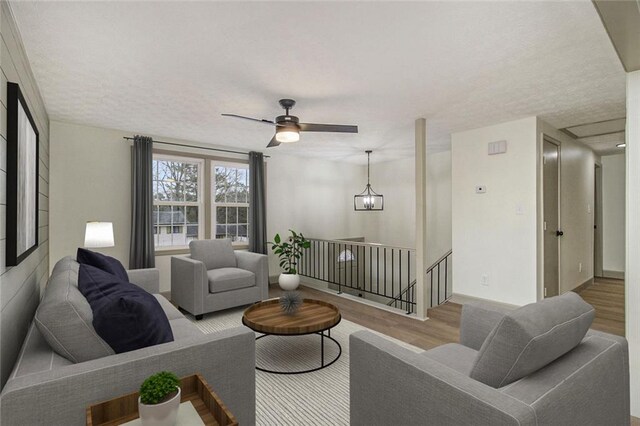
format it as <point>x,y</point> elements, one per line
<point>194,388</point>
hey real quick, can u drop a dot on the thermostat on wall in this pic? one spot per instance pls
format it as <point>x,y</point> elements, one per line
<point>499,147</point>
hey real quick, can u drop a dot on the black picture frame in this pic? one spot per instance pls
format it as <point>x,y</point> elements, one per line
<point>23,176</point>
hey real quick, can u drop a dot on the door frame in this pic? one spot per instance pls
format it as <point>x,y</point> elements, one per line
<point>598,253</point>
<point>558,144</point>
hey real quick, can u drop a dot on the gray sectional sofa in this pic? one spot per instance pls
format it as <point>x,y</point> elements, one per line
<point>531,366</point>
<point>46,388</point>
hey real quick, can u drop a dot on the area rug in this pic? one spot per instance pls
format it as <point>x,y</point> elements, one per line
<point>317,398</point>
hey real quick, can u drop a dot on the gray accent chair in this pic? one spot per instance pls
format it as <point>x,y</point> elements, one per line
<point>48,388</point>
<point>216,277</point>
<point>531,366</point>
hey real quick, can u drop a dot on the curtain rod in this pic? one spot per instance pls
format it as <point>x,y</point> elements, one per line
<point>197,147</point>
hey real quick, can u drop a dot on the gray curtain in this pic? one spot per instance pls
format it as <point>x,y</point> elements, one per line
<point>142,253</point>
<point>257,204</point>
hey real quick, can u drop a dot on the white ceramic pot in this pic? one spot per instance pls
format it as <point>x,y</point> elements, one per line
<point>289,282</point>
<point>163,414</point>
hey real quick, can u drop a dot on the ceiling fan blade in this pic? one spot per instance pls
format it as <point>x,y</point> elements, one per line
<point>273,142</point>
<point>252,119</point>
<point>338,128</point>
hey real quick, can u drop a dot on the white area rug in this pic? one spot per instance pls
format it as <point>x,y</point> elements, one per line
<point>317,398</point>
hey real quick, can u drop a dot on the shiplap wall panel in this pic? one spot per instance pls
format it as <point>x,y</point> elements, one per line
<point>3,153</point>
<point>22,285</point>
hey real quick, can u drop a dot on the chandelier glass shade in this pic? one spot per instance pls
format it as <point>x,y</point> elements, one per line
<point>368,200</point>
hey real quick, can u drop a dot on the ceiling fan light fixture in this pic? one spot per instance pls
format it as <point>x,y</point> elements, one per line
<point>287,134</point>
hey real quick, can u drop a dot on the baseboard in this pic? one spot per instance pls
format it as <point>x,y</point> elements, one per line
<point>588,283</point>
<point>462,299</point>
<point>618,275</point>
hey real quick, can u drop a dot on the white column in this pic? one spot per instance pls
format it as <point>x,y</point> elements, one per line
<point>632,273</point>
<point>422,289</point>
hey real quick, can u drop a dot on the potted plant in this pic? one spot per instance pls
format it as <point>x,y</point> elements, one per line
<point>290,252</point>
<point>159,400</point>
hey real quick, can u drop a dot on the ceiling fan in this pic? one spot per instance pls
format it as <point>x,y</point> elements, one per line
<point>288,127</point>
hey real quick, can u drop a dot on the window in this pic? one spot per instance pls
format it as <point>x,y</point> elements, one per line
<point>230,200</point>
<point>177,200</point>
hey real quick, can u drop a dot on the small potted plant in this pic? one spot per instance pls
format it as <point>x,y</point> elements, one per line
<point>159,400</point>
<point>290,252</point>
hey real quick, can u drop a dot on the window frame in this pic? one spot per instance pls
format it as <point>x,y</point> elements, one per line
<point>200,204</point>
<point>214,204</point>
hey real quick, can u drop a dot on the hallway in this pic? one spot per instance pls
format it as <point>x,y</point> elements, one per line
<point>606,295</point>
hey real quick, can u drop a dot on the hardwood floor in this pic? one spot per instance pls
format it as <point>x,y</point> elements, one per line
<point>607,296</point>
<point>442,327</point>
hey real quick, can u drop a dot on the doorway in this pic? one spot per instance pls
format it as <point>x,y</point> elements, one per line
<point>551,217</point>
<point>597,223</point>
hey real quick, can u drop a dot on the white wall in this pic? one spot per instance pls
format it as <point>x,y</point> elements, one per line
<point>632,272</point>
<point>489,235</point>
<point>90,180</point>
<point>613,206</point>
<point>577,202</point>
<point>395,225</point>
<point>312,196</point>
<point>439,216</point>
<point>21,285</point>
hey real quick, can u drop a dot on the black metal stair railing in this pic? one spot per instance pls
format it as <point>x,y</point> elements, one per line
<point>376,272</point>
<point>438,276</point>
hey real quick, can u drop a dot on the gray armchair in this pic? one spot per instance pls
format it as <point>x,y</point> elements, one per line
<point>531,366</point>
<point>215,277</point>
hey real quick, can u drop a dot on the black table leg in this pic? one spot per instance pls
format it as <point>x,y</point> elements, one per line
<point>322,361</point>
<point>322,349</point>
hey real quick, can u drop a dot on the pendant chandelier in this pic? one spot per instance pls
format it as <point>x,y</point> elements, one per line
<point>368,199</point>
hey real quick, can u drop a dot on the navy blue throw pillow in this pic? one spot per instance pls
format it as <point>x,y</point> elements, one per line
<point>106,263</point>
<point>124,315</point>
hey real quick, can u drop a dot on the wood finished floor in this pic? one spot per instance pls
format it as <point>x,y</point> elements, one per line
<point>443,326</point>
<point>605,295</point>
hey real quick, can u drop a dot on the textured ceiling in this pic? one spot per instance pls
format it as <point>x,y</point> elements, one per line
<point>170,68</point>
<point>605,145</point>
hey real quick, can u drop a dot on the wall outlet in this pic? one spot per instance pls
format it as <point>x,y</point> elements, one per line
<point>580,267</point>
<point>484,280</point>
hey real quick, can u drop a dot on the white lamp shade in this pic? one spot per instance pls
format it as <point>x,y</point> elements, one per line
<point>99,234</point>
<point>287,134</point>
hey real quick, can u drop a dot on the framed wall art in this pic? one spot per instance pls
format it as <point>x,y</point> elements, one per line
<point>22,178</point>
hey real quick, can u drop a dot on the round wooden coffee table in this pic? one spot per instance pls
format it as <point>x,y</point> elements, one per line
<point>313,317</point>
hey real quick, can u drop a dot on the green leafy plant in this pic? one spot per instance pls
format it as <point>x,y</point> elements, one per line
<point>157,388</point>
<point>290,250</point>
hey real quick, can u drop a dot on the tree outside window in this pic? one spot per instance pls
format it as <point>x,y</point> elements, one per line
<point>176,200</point>
<point>231,202</point>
